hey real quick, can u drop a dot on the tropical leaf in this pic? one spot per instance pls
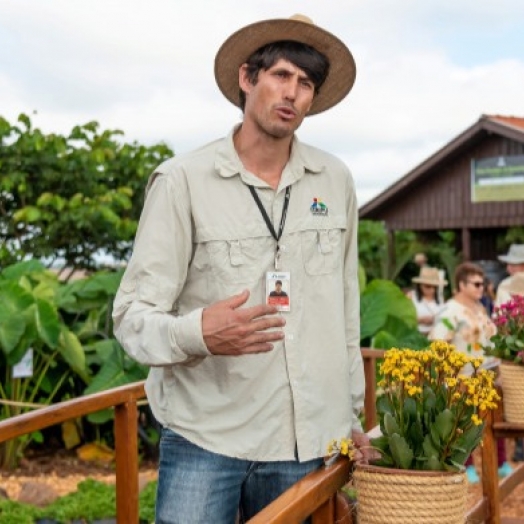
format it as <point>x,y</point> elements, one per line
<point>72,351</point>
<point>47,322</point>
<point>12,327</point>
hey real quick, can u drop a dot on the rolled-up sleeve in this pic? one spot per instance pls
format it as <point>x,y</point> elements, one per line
<point>144,311</point>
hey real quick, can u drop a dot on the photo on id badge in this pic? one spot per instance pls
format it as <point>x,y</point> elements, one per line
<point>278,290</point>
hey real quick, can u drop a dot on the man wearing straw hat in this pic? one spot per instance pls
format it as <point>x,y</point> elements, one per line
<point>249,396</point>
<point>514,284</point>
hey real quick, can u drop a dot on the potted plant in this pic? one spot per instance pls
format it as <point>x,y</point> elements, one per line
<point>508,345</point>
<point>431,419</point>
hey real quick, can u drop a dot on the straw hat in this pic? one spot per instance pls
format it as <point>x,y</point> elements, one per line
<point>515,255</point>
<point>429,276</point>
<point>299,28</point>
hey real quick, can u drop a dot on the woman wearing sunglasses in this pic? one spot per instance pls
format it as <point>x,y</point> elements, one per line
<point>465,323</point>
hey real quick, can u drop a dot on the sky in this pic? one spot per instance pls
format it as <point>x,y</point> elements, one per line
<point>426,71</point>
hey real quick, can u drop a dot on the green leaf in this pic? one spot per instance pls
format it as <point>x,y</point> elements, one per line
<point>435,437</point>
<point>401,452</point>
<point>445,423</point>
<point>47,322</point>
<point>410,408</point>
<point>429,399</point>
<point>383,405</point>
<point>12,327</point>
<point>71,350</point>
<point>390,424</point>
<point>101,417</point>
<point>429,448</point>
<point>433,464</point>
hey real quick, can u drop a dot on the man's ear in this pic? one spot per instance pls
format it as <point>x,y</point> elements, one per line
<point>243,79</point>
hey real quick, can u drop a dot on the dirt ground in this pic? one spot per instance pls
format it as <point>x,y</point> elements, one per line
<point>63,471</point>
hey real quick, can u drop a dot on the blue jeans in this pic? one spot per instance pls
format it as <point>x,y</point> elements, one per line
<point>196,486</point>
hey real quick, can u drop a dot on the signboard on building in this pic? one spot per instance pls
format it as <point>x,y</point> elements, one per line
<point>497,179</point>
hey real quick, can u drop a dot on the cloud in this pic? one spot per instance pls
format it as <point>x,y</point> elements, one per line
<point>426,72</point>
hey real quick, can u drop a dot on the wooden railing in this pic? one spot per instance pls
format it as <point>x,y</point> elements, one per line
<point>124,400</point>
<point>314,495</point>
<point>488,509</point>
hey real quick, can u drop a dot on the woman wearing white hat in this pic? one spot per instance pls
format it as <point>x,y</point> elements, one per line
<point>426,297</point>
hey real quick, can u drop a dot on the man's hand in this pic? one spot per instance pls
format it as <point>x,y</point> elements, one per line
<point>230,330</point>
<point>365,453</point>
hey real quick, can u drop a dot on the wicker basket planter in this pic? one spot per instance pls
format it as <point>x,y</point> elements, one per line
<point>395,496</point>
<point>512,381</point>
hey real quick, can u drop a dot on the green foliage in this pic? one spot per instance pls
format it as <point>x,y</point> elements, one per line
<point>430,413</point>
<point>92,500</point>
<point>70,197</point>
<point>69,329</point>
<point>388,318</point>
<point>30,320</point>
<point>372,251</point>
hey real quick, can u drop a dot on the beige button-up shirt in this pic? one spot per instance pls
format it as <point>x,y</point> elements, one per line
<point>201,239</point>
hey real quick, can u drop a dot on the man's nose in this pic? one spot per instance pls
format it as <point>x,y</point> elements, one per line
<point>291,89</point>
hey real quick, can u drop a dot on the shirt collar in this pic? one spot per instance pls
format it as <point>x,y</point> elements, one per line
<point>301,161</point>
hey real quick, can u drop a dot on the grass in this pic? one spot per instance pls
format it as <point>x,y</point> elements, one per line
<point>92,500</point>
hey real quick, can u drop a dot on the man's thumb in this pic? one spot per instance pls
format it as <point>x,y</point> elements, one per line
<point>236,301</point>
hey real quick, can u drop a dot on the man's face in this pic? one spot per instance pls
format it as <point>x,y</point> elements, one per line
<point>278,287</point>
<point>280,99</point>
<point>514,268</point>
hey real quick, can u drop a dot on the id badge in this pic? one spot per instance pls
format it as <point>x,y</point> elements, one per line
<point>278,289</point>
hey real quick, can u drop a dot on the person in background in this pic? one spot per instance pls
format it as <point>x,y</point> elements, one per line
<point>420,259</point>
<point>464,322</point>
<point>488,297</point>
<point>513,285</point>
<point>425,297</point>
<point>250,399</point>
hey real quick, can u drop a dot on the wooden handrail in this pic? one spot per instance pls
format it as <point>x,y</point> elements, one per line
<point>488,509</point>
<point>124,400</point>
<point>314,495</point>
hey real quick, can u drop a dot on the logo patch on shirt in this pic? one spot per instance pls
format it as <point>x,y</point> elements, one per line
<point>318,207</point>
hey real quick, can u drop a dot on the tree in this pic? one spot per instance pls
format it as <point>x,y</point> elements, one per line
<point>70,198</point>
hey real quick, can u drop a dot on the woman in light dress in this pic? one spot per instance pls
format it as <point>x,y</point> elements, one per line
<point>464,322</point>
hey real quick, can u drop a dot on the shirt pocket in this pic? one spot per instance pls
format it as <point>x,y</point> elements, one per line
<point>321,250</point>
<point>237,261</point>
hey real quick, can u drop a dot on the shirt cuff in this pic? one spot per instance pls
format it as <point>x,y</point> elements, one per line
<point>189,334</point>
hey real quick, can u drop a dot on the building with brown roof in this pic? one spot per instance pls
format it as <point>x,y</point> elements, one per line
<point>474,185</point>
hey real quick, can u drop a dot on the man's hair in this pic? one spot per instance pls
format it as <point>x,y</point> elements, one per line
<point>303,56</point>
<point>278,282</point>
<point>464,271</point>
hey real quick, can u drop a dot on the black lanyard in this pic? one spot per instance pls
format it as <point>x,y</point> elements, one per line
<point>268,222</point>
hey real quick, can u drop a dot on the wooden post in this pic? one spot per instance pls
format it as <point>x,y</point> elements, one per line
<point>370,394</point>
<point>490,478</point>
<point>126,444</point>
<point>325,513</point>
<point>466,244</point>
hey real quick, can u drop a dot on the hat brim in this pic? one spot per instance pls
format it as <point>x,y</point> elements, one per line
<point>508,259</point>
<point>240,45</point>
<point>418,280</point>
